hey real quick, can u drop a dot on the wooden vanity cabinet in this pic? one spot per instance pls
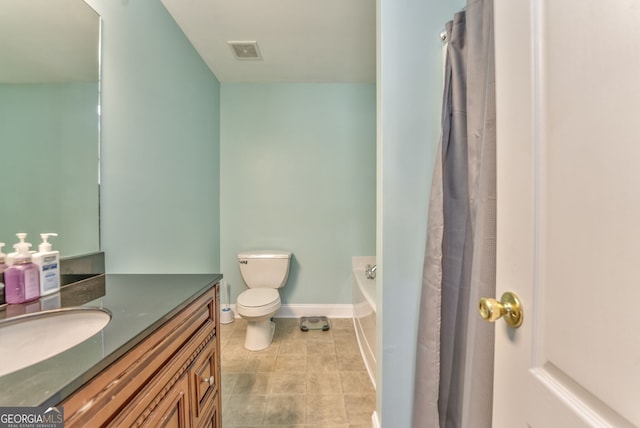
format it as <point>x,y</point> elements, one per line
<point>171,379</point>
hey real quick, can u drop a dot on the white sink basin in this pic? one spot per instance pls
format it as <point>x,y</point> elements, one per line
<point>29,339</point>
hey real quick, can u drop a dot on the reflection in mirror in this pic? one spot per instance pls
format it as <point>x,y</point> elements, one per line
<point>49,123</point>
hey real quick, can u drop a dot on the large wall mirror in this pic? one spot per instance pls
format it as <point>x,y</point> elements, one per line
<point>49,123</point>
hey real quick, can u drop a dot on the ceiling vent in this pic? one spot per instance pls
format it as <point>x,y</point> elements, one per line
<point>245,50</point>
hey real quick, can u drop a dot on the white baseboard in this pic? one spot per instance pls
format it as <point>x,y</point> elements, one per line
<point>310,310</point>
<point>375,422</point>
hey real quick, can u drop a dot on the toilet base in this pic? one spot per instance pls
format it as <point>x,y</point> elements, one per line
<point>259,334</point>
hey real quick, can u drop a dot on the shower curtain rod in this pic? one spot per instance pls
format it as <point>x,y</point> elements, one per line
<point>443,34</point>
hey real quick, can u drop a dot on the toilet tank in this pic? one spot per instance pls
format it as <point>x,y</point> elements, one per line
<point>264,268</point>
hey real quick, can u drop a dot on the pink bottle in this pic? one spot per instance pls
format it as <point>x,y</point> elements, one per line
<point>3,267</point>
<point>22,279</point>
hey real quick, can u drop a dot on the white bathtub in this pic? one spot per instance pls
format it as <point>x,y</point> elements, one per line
<point>364,312</point>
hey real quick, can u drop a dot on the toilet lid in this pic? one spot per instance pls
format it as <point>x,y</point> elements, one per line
<point>258,297</point>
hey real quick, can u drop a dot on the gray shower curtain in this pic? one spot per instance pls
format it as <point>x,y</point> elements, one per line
<point>454,360</point>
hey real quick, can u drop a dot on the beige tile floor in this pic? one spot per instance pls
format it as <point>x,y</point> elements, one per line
<point>304,379</point>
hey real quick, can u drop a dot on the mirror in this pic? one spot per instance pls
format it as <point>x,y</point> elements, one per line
<point>49,123</point>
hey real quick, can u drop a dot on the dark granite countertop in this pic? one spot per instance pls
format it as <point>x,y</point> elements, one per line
<point>139,304</point>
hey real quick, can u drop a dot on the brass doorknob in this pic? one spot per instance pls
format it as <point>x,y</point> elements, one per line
<point>508,307</point>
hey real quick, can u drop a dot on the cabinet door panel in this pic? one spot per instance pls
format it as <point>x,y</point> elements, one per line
<point>204,383</point>
<point>173,410</point>
<point>203,374</point>
<point>211,421</point>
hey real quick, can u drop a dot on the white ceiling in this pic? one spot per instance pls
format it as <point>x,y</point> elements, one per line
<point>299,40</point>
<point>42,41</point>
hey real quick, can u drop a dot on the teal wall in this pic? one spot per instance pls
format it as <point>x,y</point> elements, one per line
<point>49,140</point>
<point>160,144</point>
<point>298,173</point>
<point>409,90</point>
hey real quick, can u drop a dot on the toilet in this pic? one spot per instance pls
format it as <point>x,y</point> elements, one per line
<point>263,271</point>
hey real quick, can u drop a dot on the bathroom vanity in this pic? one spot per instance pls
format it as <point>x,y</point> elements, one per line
<point>157,362</point>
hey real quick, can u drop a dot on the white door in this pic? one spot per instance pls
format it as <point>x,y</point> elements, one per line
<point>568,120</point>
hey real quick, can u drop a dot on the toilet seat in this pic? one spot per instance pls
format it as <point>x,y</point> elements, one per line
<point>256,302</point>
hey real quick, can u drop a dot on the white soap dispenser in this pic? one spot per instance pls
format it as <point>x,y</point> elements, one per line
<point>48,262</point>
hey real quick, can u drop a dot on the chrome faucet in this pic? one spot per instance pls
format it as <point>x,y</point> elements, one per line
<point>370,272</point>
